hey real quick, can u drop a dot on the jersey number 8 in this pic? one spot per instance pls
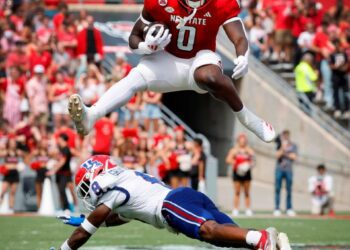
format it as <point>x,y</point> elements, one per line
<point>190,32</point>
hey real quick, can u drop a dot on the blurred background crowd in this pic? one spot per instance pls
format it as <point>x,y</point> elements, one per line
<point>302,36</point>
<point>47,53</point>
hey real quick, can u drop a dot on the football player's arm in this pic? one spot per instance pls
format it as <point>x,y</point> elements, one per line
<point>235,31</point>
<point>136,35</point>
<point>90,225</point>
<point>153,41</point>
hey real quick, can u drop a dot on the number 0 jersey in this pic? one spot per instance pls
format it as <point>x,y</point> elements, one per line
<point>131,194</point>
<point>199,32</point>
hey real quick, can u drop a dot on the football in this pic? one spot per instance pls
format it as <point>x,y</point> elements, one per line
<point>157,25</point>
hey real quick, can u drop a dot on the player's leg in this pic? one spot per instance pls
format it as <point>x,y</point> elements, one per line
<point>4,188</point>
<point>289,184</point>
<point>194,214</point>
<point>278,186</point>
<point>12,194</point>
<point>116,96</point>
<point>159,72</point>
<point>207,74</point>
<point>38,190</point>
<point>236,198</point>
<point>246,187</point>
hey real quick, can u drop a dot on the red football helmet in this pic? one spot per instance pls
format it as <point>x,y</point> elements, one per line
<point>87,172</point>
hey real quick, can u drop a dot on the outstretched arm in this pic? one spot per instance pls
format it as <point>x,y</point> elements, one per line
<point>90,225</point>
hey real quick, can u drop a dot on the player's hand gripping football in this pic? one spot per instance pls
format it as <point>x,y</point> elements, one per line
<point>241,67</point>
<point>72,220</point>
<point>155,40</point>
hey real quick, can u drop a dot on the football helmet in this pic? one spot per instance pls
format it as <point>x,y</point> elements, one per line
<point>87,172</point>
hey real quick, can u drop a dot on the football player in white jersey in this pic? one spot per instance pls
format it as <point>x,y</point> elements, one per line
<point>116,195</point>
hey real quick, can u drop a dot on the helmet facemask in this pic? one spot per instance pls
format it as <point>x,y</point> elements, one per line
<point>83,192</point>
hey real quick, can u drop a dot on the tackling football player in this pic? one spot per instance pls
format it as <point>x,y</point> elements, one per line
<point>116,195</point>
<point>177,39</point>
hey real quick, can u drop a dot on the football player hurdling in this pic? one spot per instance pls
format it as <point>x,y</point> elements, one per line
<point>177,40</point>
<point>116,195</point>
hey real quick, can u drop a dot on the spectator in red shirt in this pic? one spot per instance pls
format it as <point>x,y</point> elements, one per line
<point>103,136</point>
<point>66,37</point>
<point>73,138</point>
<point>45,31</point>
<point>283,35</point>
<point>90,42</point>
<point>18,57</point>
<point>40,56</point>
<point>58,96</point>
<point>121,67</point>
<point>60,16</point>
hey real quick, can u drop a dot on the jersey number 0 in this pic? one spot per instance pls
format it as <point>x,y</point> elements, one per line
<point>189,33</point>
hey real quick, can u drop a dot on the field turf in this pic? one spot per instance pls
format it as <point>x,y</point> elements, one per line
<point>40,233</point>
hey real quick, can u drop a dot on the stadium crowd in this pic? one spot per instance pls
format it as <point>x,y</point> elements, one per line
<point>41,64</point>
<point>314,39</point>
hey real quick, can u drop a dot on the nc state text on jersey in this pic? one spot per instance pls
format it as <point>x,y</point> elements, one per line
<point>193,21</point>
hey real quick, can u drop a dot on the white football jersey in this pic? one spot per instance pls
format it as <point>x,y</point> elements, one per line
<point>131,194</point>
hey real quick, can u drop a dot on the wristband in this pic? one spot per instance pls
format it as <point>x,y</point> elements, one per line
<point>65,246</point>
<point>88,227</point>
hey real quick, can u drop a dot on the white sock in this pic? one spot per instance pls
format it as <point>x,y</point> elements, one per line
<point>119,94</point>
<point>253,238</point>
<point>255,124</point>
<point>246,117</point>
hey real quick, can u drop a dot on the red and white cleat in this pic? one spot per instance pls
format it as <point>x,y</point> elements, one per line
<point>268,240</point>
<point>80,115</point>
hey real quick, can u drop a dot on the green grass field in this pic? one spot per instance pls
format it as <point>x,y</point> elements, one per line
<point>40,233</point>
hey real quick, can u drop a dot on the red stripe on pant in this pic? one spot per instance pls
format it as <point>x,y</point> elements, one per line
<point>182,213</point>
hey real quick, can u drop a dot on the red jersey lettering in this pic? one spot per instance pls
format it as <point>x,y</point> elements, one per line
<point>199,32</point>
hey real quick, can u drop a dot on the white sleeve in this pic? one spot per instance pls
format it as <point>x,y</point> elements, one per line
<point>112,199</point>
<point>329,183</point>
<point>311,184</point>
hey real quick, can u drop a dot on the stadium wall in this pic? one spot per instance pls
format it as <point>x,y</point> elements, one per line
<point>315,145</point>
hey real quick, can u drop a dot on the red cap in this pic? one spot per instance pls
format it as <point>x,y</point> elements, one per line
<point>179,128</point>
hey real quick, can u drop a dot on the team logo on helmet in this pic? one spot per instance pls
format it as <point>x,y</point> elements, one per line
<point>163,2</point>
<point>90,164</point>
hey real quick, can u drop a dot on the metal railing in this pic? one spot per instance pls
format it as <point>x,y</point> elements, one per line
<point>317,114</point>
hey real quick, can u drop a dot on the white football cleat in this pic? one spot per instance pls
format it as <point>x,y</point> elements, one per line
<point>268,134</point>
<point>79,114</point>
<point>283,242</point>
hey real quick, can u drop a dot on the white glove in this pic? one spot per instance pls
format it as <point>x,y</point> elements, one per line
<point>154,43</point>
<point>241,68</point>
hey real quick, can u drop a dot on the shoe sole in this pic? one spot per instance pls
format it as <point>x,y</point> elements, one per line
<point>273,238</point>
<point>283,242</point>
<point>76,112</point>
